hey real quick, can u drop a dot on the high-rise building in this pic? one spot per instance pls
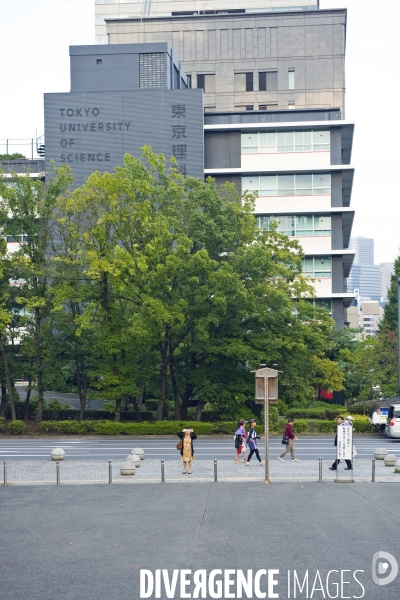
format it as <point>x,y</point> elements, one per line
<point>386,270</point>
<point>274,100</point>
<point>252,61</point>
<point>364,276</point>
<point>142,9</point>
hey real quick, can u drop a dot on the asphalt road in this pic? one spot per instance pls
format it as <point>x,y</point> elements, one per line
<point>220,448</point>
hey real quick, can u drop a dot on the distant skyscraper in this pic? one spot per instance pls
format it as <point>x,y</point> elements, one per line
<point>386,275</point>
<point>364,275</point>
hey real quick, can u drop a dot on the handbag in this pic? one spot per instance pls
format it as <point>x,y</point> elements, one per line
<point>285,440</point>
<point>179,445</point>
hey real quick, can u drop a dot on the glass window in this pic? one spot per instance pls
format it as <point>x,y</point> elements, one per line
<point>322,183</point>
<point>322,225</point>
<point>207,82</point>
<point>304,225</point>
<point>268,185</point>
<point>291,74</point>
<point>251,183</point>
<point>291,141</point>
<point>299,225</point>
<point>319,267</point>
<point>151,70</point>
<point>303,185</point>
<point>268,81</point>
<point>243,82</point>
<point>286,185</point>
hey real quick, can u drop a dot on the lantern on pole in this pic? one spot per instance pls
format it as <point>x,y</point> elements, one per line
<point>266,393</point>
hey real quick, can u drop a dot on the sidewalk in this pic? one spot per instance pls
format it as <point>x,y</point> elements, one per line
<point>77,472</point>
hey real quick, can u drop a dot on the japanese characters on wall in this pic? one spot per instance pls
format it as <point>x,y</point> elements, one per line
<point>93,131</point>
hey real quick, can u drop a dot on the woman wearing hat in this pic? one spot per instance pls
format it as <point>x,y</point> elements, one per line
<point>240,440</point>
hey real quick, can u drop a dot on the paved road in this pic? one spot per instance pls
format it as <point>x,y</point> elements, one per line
<point>308,448</point>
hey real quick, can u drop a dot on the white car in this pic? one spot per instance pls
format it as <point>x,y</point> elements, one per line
<point>392,428</point>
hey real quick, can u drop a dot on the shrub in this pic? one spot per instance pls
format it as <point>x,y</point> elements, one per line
<point>361,425</point>
<point>16,427</point>
<point>300,426</point>
<point>2,419</point>
<point>151,404</point>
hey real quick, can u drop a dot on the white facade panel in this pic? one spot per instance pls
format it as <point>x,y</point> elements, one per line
<point>275,204</point>
<point>316,244</point>
<point>323,287</point>
<point>286,161</point>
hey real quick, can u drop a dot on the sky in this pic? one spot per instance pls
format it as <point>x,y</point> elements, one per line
<point>34,41</point>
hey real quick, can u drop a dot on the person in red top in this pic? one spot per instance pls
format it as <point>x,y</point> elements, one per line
<point>289,446</point>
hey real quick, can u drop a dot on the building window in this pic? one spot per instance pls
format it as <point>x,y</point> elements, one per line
<point>319,267</point>
<point>151,70</point>
<point>291,105</point>
<point>268,81</point>
<point>311,184</point>
<point>243,82</point>
<point>321,303</point>
<point>189,80</point>
<point>297,225</point>
<point>207,82</point>
<point>99,61</point>
<point>285,141</point>
<point>292,82</point>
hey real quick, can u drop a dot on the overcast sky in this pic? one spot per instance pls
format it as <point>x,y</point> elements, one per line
<point>34,40</point>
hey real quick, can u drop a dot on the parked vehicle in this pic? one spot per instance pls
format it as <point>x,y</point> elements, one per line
<point>392,428</point>
<point>378,418</point>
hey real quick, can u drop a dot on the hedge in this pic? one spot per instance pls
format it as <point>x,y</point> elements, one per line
<point>16,427</point>
<point>327,413</point>
<point>113,428</point>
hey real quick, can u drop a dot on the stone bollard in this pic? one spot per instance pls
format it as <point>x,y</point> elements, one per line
<point>57,454</point>
<point>127,469</point>
<point>380,453</point>
<point>397,466</point>
<point>133,459</point>
<point>390,459</point>
<point>139,452</point>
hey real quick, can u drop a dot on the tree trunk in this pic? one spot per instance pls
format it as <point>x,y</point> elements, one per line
<point>199,410</point>
<point>136,408</point>
<point>175,390</point>
<point>28,396</point>
<point>163,384</point>
<point>3,401</point>
<point>8,379</point>
<point>185,402</point>
<point>39,366</point>
<point>118,410</point>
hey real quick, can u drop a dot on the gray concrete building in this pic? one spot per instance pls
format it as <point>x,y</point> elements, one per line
<point>252,61</point>
<point>142,9</point>
<point>364,276</point>
<point>124,97</point>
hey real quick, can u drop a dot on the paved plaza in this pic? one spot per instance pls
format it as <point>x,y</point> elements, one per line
<point>43,472</point>
<point>90,542</point>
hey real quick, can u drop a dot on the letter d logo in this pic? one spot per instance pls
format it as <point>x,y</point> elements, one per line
<point>380,568</point>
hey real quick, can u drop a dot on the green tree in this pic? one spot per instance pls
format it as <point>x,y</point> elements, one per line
<point>390,317</point>
<point>29,204</point>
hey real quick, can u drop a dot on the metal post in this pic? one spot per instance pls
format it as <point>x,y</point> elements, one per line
<point>110,471</point>
<point>373,471</point>
<point>215,471</point>
<point>162,472</point>
<point>320,469</point>
<point>266,429</point>
<point>5,473</point>
<point>58,472</point>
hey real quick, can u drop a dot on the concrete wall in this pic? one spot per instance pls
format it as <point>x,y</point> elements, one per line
<point>93,131</point>
<point>312,43</point>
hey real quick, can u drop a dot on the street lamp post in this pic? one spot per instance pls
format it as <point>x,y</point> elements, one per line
<point>266,393</point>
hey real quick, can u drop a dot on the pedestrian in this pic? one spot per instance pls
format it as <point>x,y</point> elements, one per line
<point>187,454</point>
<point>341,422</point>
<point>252,438</point>
<point>289,446</point>
<point>240,441</point>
